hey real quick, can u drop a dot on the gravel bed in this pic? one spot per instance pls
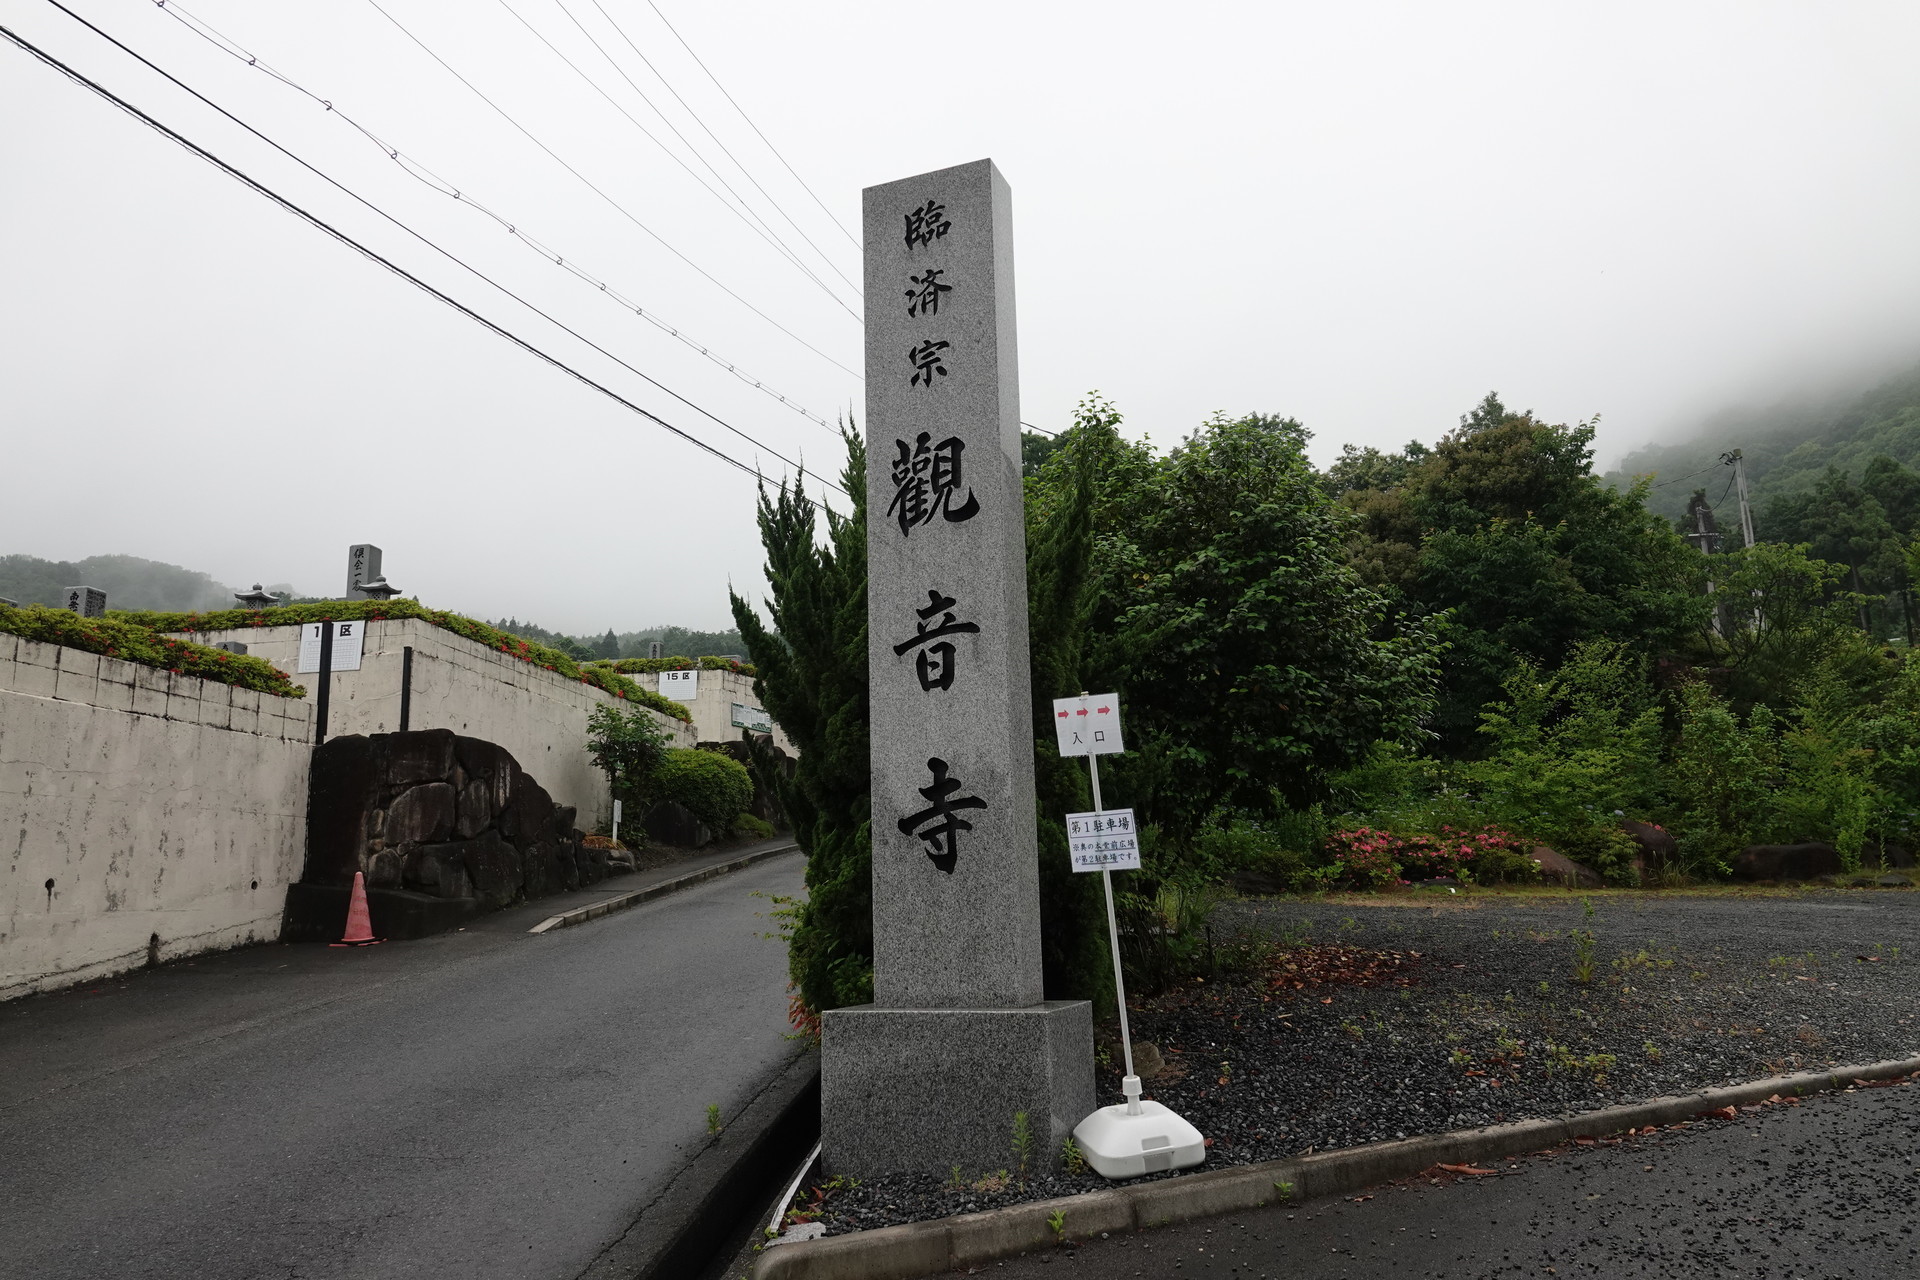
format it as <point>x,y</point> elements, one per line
<point>1419,1013</point>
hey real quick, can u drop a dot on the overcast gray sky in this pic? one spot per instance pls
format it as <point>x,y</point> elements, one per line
<point>1364,215</point>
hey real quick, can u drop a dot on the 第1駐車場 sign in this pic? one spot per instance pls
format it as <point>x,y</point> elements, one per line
<point>1104,841</point>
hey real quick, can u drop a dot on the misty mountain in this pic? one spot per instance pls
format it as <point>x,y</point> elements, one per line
<point>1787,449</point>
<point>130,582</point>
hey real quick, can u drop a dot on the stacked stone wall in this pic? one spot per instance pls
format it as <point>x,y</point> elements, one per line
<point>442,815</point>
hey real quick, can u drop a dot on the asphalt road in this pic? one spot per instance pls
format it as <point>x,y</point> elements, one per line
<point>1823,1189</point>
<point>481,1104</point>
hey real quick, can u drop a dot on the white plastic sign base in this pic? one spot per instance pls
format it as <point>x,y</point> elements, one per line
<point>1119,1145</point>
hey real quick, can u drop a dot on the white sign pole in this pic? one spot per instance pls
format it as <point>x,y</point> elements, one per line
<point>1130,1084</point>
<point>1138,1137</point>
<point>616,823</point>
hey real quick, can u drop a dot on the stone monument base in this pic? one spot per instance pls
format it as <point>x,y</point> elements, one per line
<point>926,1089</point>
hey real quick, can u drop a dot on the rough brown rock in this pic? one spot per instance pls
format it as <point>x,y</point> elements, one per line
<point>1786,861</point>
<point>493,868</point>
<point>1557,868</point>
<point>420,815</point>
<point>422,756</point>
<point>438,870</point>
<point>1658,848</point>
<point>346,781</point>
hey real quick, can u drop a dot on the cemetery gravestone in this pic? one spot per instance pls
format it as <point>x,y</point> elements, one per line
<point>363,566</point>
<point>959,1038</point>
<point>88,602</point>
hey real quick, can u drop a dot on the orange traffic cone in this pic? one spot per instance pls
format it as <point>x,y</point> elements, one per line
<point>359,923</point>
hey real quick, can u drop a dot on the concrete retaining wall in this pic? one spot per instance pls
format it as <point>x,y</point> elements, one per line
<point>459,684</point>
<point>142,814</point>
<point>712,708</point>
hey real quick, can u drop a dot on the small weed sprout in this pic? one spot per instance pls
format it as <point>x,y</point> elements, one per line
<point>1022,1142</point>
<point>1651,1049</point>
<point>993,1182</point>
<point>1583,956</point>
<point>1285,1190</point>
<point>713,1117</point>
<point>1072,1159</point>
<point>1058,1221</point>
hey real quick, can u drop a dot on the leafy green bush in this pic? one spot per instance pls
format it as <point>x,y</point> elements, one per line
<point>748,827</point>
<point>1265,853</point>
<point>715,788</point>
<point>628,745</point>
<point>116,637</point>
<point>1571,752</point>
<point>539,655</point>
<point>645,666</point>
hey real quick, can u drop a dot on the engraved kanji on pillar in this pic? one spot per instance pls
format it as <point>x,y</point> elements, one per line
<point>956,896</point>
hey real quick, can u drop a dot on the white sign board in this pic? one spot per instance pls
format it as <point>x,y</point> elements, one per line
<point>745,717</point>
<point>1089,725</point>
<point>681,686</point>
<point>346,647</point>
<point>1104,841</point>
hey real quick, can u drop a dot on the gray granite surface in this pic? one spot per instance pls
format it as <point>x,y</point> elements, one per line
<point>928,1089</point>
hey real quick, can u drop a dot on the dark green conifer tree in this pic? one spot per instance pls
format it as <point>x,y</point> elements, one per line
<point>812,678</point>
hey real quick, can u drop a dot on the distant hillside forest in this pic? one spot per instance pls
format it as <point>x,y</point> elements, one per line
<point>677,642</point>
<point>1843,480</point>
<point>129,581</point>
<point>132,582</point>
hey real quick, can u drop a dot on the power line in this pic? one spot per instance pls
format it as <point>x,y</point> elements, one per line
<point>1702,471</point>
<point>603,195</point>
<point>748,217</point>
<point>668,85</point>
<point>855,240</point>
<point>365,251</point>
<point>474,271</point>
<point>724,150</point>
<point>419,172</point>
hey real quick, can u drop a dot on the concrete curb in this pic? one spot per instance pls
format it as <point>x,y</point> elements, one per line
<point>620,902</point>
<point>676,1235</point>
<point>927,1248</point>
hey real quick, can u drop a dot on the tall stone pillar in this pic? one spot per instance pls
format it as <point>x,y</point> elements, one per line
<point>958,1038</point>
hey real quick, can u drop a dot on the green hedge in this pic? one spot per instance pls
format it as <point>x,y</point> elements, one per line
<point>118,637</point>
<point>380,610</point>
<point>716,788</point>
<point>647,666</point>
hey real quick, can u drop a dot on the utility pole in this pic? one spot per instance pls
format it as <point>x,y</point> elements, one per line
<point>1705,538</point>
<point>1735,459</point>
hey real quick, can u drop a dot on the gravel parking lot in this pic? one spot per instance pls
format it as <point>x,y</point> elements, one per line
<point>1370,1018</point>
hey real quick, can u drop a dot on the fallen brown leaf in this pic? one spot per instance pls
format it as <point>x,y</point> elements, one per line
<point>1468,1169</point>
